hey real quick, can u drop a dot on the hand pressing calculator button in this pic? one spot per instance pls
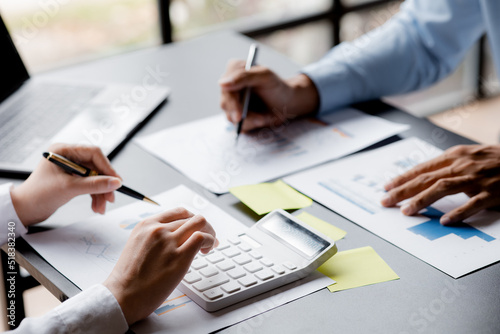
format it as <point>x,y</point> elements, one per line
<point>277,250</point>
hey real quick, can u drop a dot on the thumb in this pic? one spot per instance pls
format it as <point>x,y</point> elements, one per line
<point>97,184</point>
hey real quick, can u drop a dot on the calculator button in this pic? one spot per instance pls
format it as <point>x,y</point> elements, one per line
<point>214,258</point>
<point>211,252</point>
<point>266,262</point>
<point>192,278</point>
<point>236,273</point>
<point>209,271</point>
<point>290,265</point>
<point>198,264</point>
<point>255,255</point>
<point>253,267</point>
<point>230,287</point>
<point>278,269</point>
<point>264,274</point>
<point>213,293</point>
<point>247,281</point>
<point>211,282</point>
<point>242,259</point>
<point>223,246</point>
<point>226,265</point>
<point>231,252</point>
<point>234,240</point>
<point>245,247</point>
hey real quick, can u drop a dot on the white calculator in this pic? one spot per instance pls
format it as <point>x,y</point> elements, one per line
<point>277,250</point>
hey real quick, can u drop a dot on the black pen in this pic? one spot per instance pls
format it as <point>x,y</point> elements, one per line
<point>74,168</point>
<point>252,56</point>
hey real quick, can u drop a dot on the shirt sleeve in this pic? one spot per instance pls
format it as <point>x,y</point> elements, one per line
<point>420,45</point>
<point>9,221</point>
<point>94,310</point>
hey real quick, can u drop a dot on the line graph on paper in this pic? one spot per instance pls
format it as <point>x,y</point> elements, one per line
<point>94,247</point>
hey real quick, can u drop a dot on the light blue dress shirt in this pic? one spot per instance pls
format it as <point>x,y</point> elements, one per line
<point>419,46</point>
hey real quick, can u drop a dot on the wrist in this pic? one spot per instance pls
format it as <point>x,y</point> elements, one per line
<point>124,299</point>
<point>19,203</point>
<point>304,94</point>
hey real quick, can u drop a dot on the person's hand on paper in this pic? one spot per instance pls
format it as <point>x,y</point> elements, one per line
<point>49,187</point>
<point>473,170</point>
<point>155,259</point>
<point>273,101</point>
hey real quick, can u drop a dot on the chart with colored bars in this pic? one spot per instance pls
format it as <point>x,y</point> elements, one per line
<point>173,304</point>
<point>354,186</point>
<point>361,190</point>
<point>433,230</point>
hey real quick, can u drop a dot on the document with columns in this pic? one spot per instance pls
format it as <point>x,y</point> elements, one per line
<point>206,150</point>
<point>353,188</point>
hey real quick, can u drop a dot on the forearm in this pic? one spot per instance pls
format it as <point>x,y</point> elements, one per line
<point>419,46</point>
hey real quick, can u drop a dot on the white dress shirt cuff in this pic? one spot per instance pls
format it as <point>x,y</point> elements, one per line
<point>9,221</point>
<point>94,310</point>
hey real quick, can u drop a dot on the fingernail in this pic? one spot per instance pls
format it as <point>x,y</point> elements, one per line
<point>386,200</point>
<point>445,220</point>
<point>234,116</point>
<point>225,81</point>
<point>114,183</point>
<point>388,186</point>
<point>406,209</point>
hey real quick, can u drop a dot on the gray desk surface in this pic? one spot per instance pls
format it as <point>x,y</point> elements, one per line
<point>424,300</point>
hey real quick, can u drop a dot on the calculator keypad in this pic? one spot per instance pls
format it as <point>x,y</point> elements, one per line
<point>231,267</point>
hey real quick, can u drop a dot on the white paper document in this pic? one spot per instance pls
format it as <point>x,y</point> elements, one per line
<point>86,252</point>
<point>353,187</point>
<point>206,150</point>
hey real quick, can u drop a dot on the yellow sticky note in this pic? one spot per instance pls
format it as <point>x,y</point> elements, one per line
<point>327,229</point>
<point>356,267</point>
<point>265,197</point>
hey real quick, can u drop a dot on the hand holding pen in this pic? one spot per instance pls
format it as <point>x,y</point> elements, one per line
<point>79,170</point>
<point>49,186</point>
<point>279,99</point>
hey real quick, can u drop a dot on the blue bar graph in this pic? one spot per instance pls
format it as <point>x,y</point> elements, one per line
<point>168,306</point>
<point>433,230</point>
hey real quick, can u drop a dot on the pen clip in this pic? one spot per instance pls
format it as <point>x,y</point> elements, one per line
<point>252,56</point>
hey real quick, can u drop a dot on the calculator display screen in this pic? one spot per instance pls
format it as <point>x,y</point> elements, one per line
<point>295,235</point>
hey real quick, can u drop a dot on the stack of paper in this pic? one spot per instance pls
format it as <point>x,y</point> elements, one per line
<point>353,187</point>
<point>206,150</point>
